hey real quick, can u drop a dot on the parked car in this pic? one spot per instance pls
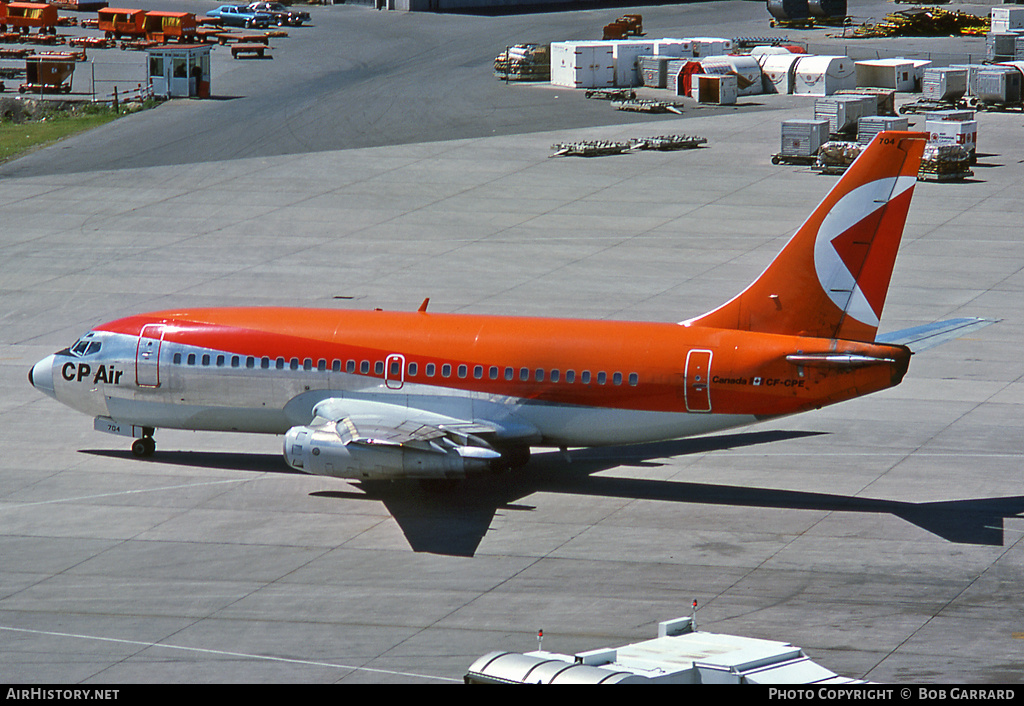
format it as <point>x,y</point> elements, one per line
<point>281,14</point>
<point>240,16</point>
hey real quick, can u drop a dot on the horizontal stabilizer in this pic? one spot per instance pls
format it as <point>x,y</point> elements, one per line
<point>920,338</point>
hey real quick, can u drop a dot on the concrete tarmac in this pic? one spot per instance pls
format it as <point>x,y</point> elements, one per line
<point>881,535</point>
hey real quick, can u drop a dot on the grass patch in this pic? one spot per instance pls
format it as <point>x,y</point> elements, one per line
<point>17,139</point>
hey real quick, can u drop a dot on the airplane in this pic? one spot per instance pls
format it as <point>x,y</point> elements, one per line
<point>435,396</point>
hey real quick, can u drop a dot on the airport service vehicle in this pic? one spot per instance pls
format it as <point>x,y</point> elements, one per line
<point>377,394</point>
<point>281,15</point>
<point>240,16</point>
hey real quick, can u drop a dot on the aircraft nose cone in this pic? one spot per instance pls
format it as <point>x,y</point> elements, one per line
<point>41,375</point>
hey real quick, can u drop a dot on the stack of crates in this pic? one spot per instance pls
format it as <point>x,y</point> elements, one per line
<point>803,138</point>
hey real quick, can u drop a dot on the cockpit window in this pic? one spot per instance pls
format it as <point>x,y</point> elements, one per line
<point>84,347</point>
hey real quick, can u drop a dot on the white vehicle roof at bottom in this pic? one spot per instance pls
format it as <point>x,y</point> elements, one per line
<point>678,656</point>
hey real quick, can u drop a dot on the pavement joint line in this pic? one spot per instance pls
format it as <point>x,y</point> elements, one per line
<point>227,653</point>
<point>15,504</point>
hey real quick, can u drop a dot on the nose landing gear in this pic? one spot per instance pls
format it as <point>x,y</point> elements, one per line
<point>144,446</point>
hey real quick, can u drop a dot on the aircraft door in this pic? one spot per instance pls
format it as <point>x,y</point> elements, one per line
<point>698,381</point>
<point>147,356</point>
<point>394,371</point>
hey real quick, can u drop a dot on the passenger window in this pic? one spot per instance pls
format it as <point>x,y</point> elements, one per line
<point>350,366</point>
<point>265,363</point>
<point>431,368</point>
<point>634,379</point>
<point>524,374</point>
<point>280,363</point>
<point>396,368</point>
<point>321,365</point>
<point>206,358</point>
<point>235,361</point>
<point>446,370</point>
<point>570,376</point>
<point>250,362</point>
<point>478,371</point>
<point>602,378</point>
<point>294,364</point>
<point>364,367</point>
<point>585,377</point>
<point>555,375</point>
<point>617,379</point>
<point>177,358</point>
<point>307,364</point>
<point>539,375</point>
<point>463,371</point>
<point>220,361</point>
<point>413,368</point>
<point>191,359</point>
<point>378,368</point>
<point>509,373</point>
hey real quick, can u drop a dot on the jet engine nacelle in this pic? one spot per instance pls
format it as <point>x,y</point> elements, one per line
<point>322,451</point>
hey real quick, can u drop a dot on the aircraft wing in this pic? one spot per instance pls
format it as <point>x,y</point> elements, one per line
<point>920,338</point>
<point>402,424</point>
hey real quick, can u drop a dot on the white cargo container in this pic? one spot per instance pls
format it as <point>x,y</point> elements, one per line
<point>824,75</point>
<point>870,125</point>
<point>954,132</point>
<point>582,64</point>
<point>803,138</point>
<point>999,84</point>
<point>778,71</point>
<point>718,89</point>
<point>972,75</point>
<point>673,47</point>
<point>886,73</point>
<point>843,112</point>
<point>944,84</point>
<point>625,53</point>
<point>710,46</point>
<point>1007,19</point>
<point>745,68</point>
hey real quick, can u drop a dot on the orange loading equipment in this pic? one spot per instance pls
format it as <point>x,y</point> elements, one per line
<point>625,26</point>
<point>50,72</point>
<point>116,22</point>
<point>165,26</point>
<point>22,16</point>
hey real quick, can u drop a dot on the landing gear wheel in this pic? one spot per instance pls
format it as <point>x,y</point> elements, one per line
<point>143,447</point>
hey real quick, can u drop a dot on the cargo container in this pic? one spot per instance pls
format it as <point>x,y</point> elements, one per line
<point>1001,46</point>
<point>843,112</point>
<point>1006,19</point>
<point>744,67</point>
<point>870,125</point>
<point>778,72</point>
<point>999,85</point>
<point>710,46</point>
<point>625,53</point>
<point>824,75</point>
<point>954,132</point>
<point>679,74</point>
<point>673,47</point>
<point>803,137</point>
<point>944,84</point>
<point>717,89</point>
<point>586,64</point>
<point>897,74</point>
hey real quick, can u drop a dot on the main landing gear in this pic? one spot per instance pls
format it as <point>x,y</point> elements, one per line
<point>144,446</point>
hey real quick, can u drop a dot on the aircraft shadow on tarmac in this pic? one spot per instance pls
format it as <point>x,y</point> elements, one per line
<point>452,520</point>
